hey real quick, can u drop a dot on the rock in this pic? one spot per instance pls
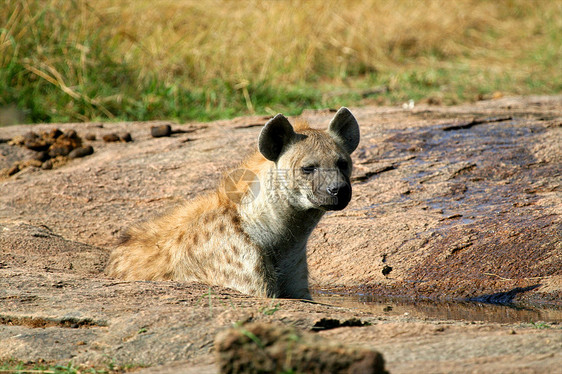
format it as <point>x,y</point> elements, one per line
<point>494,185</point>
<point>81,152</point>
<point>161,131</point>
<point>90,137</point>
<point>267,348</point>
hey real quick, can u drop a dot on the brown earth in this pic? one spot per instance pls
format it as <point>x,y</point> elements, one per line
<point>453,203</point>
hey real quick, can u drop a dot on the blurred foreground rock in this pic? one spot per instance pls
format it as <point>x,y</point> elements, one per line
<point>266,348</point>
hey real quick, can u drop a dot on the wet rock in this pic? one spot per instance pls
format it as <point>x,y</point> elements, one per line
<point>81,152</point>
<point>161,131</point>
<point>267,348</point>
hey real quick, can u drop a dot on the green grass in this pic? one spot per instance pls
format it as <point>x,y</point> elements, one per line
<point>16,367</point>
<point>64,61</point>
<point>21,368</point>
<point>540,325</point>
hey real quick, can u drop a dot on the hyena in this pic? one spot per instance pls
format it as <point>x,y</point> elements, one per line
<point>251,233</point>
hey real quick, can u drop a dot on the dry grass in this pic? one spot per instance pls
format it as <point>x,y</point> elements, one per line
<point>254,54</point>
<point>300,41</point>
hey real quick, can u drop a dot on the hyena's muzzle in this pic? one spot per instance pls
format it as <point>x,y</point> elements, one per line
<point>331,189</point>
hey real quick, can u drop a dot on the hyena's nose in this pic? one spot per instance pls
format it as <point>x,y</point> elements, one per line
<point>333,190</point>
<point>339,195</point>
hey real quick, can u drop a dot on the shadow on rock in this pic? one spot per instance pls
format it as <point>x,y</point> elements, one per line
<point>506,297</point>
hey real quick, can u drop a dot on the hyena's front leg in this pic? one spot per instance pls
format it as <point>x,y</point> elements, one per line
<point>294,284</point>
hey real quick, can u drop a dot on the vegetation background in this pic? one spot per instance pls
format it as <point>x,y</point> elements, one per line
<point>79,60</point>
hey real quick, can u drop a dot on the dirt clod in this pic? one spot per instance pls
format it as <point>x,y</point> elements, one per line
<point>81,152</point>
<point>126,137</point>
<point>161,131</point>
<point>111,138</point>
<point>53,144</point>
<point>265,348</point>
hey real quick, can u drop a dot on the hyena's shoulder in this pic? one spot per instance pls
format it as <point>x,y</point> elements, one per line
<point>151,249</point>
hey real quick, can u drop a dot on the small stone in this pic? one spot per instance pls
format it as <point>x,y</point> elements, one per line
<point>54,133</point>
<point>35,142</point>
<point>13,170</point>
<point>59,150</point>
<point>47,165</point>
<point>32,162</point>
<point>386,270</point>
<point>160,131</point>
<point>90,137</point>
<point>110,138</point>
<point>41,156</point>
<point>81,152</point>
<point>30,136</point>
<point>126,137</point>
<point>17,140</point>
<point>71,134</point>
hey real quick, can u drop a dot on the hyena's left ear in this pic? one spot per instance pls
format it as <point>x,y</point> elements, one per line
<point>275,136</point>
<point>345,129</point>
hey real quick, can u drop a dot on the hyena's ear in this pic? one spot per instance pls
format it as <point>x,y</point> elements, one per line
<point>345,129</point>
<point>275,135</point>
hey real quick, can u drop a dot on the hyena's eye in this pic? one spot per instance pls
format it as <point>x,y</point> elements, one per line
<point>308,169</point>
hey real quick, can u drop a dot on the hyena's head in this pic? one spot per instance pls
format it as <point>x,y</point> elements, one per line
<point>312,166</point>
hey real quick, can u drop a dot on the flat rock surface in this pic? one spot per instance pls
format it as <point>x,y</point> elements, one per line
<point>459,202</point>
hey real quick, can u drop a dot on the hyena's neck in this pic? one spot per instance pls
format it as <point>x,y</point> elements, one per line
<point>275,224</point>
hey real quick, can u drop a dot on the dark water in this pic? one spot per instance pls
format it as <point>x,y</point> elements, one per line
<point>458,310</point>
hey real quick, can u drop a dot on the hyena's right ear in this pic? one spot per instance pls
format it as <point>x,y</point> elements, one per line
<point>345,130</point>
<point>275,135</point>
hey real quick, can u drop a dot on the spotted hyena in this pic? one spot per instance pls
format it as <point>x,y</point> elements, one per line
<point>251,233</point>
